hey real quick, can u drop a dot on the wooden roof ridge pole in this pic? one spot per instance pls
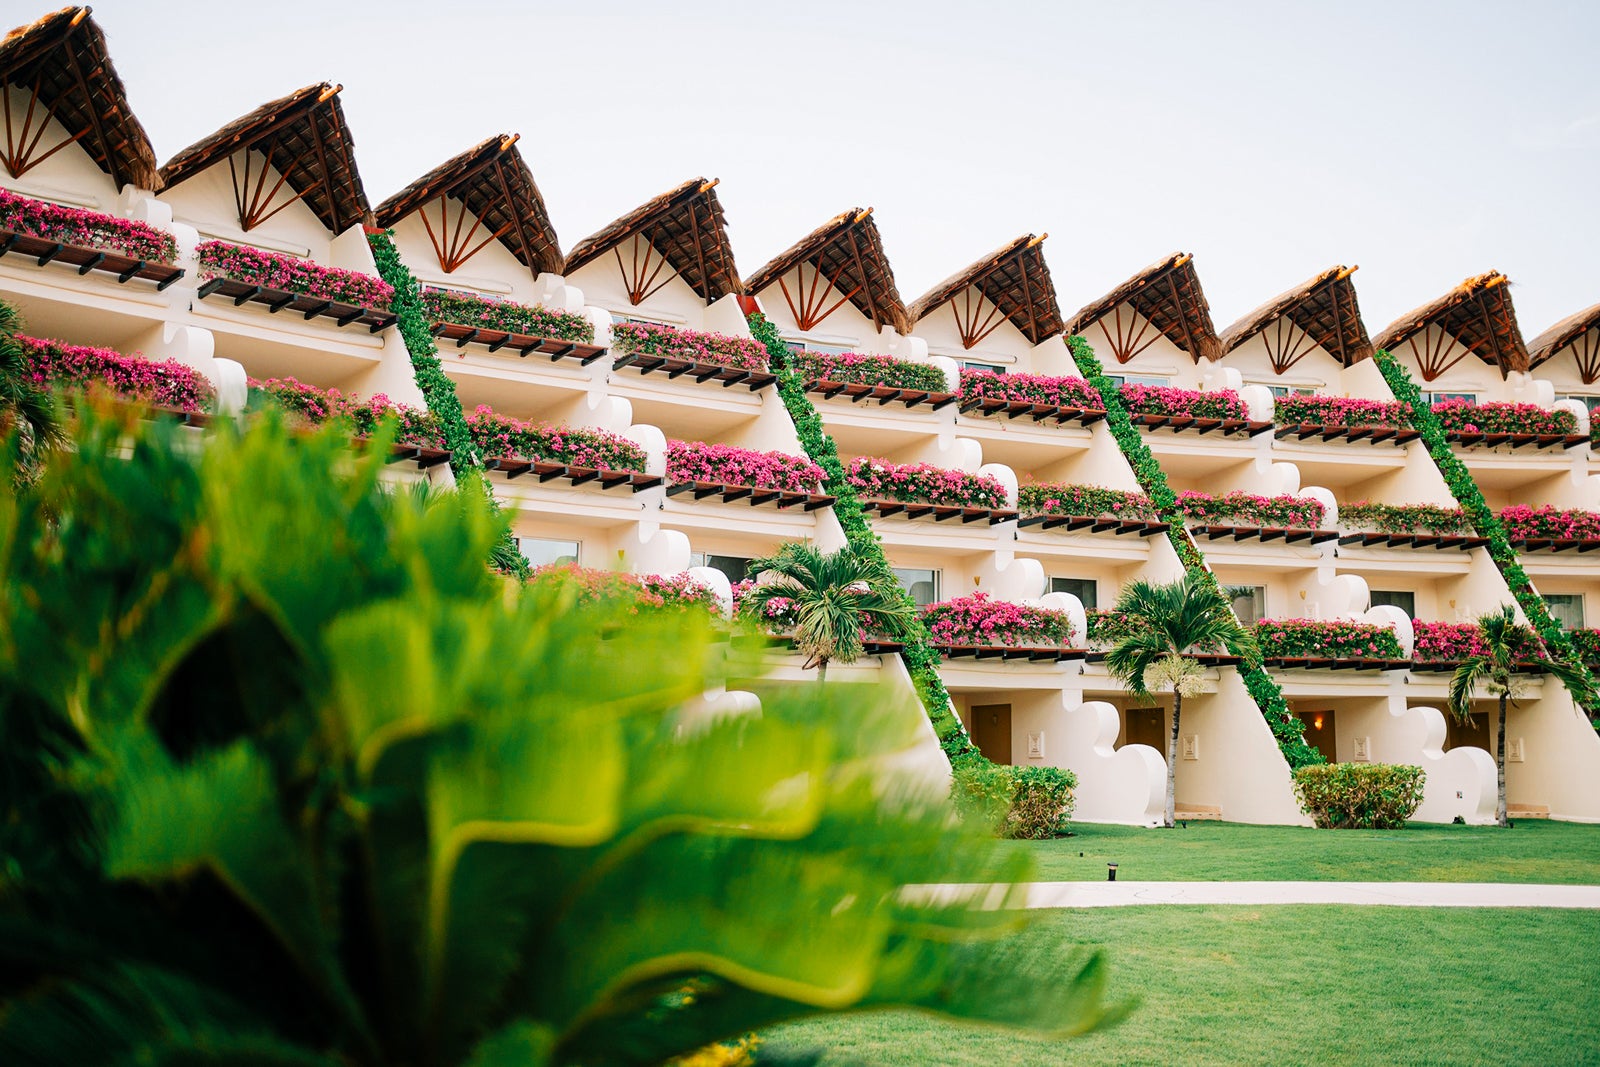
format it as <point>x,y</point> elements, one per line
<point>1183,317</point>
<point>861,270</point>
<point>511,205</point>
<point>322,161</point>
<point>699,249</point>
<point>1338,318</point>
<point>1494,338</point>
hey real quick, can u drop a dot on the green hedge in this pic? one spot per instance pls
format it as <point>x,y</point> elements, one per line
<point>920,658</point>
<point>1027,803</point>
<point>466,462</point>
<point>1359,796</point>
<point>1558,645</point>
<point>1287,729</point>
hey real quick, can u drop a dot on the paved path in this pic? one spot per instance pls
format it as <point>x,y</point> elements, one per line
<point>1403,894</point>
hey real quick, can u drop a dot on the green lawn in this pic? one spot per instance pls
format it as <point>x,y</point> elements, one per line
<point>1293,985</point>
<point>1532,851</point>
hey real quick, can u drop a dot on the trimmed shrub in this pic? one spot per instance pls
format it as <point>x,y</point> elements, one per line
<point>470,309</point>
<point>1041,803</point>
<point>1060,390</point>
<point>861,368</point>
<point>1026,803</point>
<point>1359,796</point>
<point>1059,498</point>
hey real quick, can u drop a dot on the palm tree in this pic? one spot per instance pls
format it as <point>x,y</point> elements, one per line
<point>1494,668</point>
<point>25,409</point>
<point>835,597</point>
<point>1180,619</point>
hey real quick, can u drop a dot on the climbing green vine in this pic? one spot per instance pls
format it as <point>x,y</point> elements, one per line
<point>920,658</point>
<point>437,389</point>
<point>1558,643</point>
<point>1287,730</point>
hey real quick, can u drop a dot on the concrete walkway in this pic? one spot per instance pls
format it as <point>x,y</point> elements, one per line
<point>1401,894</point>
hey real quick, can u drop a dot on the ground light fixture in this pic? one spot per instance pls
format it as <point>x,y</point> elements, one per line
<point>1111,872</point>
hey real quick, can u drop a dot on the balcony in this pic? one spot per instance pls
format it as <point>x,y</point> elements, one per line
<point>701,357</point>
<point>1036,397</point>
<point>287,283</point>
<point>1311,644</point>
<point>980,628</point>
<point>1156,407</point>
<point>1427,526</point>
<point>921,490</point>
<point>728,475</point>
<point>1245,516</point>
<point>1493,425</point>
<point>87,240</point>
<point>862,378</point>
<point>528,330</point>
<point>1091,509</point>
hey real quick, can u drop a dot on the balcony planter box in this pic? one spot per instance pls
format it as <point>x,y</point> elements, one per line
<point>918,490</point>
<point>705,357</point>
<point>1038,396</point>
<point>1441,645</point>
<point>504,438</point>
<point>466,318</point>
<point>642,593</point>
<point>88,240</point>
<point>418,436</point>
<point>978,620</point>
<point>167,384</point>
<point>860,376</point>
<point>279,283</point>
<point>1055,505</point>
<point>1312,639</point>
<point>732,474</point>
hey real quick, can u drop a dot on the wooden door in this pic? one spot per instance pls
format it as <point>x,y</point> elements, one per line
<point>1145,726</point>
<point>991,731</point>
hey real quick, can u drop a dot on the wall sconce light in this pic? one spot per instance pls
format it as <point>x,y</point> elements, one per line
<point>1302,594</point>
<point>1452,603</point>
<point>1317,721</point>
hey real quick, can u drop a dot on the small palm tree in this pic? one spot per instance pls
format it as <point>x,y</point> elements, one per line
<point>834,597</point>
<point>25,409</point>
<point>1179,620</point>
<point>1494,668</point>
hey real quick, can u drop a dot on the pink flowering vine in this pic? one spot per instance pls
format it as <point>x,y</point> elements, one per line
<point>1059,390</point>
<point>271,270</point>
<point>1061,498</point>
<point>483,313</point>
<point>693,346</point>
<point>87,229</point>
<point>640,593</point>
<point>699,461</point>
<point>980,620</point>
<point>499,435</point>
<point>1183,403</point>
<point>1249,509</point>
<point>862,368</point>
<point>314,406</point>
<point>923,483</point>
<point>1327,640</point>
<point>165,383</point>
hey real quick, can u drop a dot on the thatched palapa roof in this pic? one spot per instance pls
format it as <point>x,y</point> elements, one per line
<point>303,135</point>
<point>1168,294</point>
<point>686,226</point>
<point>64,57</point>
<point>1015,279</point>
<point>1570,329</point>
<point>1477,314</point>
<point>493,181</point>
<point>1324,306</point>
<point>847,250</point>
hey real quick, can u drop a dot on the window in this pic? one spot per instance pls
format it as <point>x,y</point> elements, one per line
<point>1138,379</point>
<point>818,347</point>
<point>968,364</point>
<point>922,584</point>
<point>1590,402</point>
<point>1566,608</point>
<point>735,567</point>
<point>1396,598</point>
<point>1249,602</point>
<point>544,552</point>
<point>1436,398</point>
<point>1087,590</point>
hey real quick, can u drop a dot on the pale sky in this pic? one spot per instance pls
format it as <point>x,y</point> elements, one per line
<point>1424,141</point>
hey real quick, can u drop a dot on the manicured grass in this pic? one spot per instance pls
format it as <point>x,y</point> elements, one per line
<point>1289,985</point>
<point>1531,851</point>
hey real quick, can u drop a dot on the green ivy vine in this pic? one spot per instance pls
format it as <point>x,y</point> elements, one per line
<point>1287,730</point>
<point>919,655</point>
<point>466,463</point>
<point>1558,643</point>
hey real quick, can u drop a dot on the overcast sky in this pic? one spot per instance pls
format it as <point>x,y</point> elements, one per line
<point>1424,141</point>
